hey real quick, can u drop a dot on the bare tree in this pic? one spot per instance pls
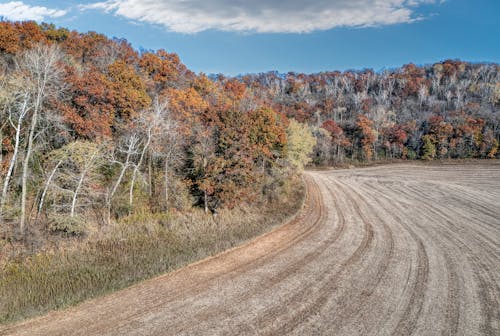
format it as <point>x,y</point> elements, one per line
<point>148,121</point>
<point>40,68</point>
<point>87,167</point>
<point>47,186</point>
<point>167,143</point>
<point>129,149</point>
<point>17,113</point>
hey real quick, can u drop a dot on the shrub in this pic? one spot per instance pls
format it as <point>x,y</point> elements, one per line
<point>61,223</point>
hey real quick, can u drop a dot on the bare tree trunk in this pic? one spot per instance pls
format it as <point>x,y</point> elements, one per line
<point>130,150</point>
<point>137,167</point>
<point>150,176</point>
<point>205,196</point>
<point>46,188</point>
<point>12,162</point>
<point>1,145</point>
<point>166,184</point>
<point>86,169</point>
<point>24,183</point>
<point>109,198</point>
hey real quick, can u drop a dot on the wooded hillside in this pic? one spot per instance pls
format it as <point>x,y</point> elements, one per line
<point>449,109</point>
<point>92,127</point>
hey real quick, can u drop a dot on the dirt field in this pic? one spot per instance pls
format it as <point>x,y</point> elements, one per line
<point>389,250</point>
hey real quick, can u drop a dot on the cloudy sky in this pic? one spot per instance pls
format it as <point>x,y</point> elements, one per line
<point>240,36</point>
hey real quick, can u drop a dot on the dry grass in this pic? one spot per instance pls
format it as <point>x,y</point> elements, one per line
<point>139,247</point>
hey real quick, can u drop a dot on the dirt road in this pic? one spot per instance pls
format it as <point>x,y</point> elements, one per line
<point>391,250</point>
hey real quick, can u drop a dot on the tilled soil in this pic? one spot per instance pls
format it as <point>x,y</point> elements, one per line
<point>390,250</point>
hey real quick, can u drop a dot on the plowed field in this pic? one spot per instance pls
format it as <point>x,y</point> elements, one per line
<point>390,250</point>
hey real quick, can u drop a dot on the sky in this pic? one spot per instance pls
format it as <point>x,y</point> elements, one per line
<point>252,36</point>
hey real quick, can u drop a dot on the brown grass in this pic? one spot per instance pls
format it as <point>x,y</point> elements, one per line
<point>139,247</point>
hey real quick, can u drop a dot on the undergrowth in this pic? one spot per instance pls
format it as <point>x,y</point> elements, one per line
<point>139,247</point>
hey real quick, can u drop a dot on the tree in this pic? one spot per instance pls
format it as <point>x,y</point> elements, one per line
<point>440,132</point>
<point>186,106</point>
<point>17,112</point>
<point>268,135</point>
<point>366,136</point>
<point>128,91</point>
<point>40,67</point>
<point>75,175</point>
<point>89,108</point>
<point>167,143</point>
<point>428,148</point>
<point>127,148</point>
<point>164,70</point>
<point>203,166</point>
<point>339,141</point>
<point>300,144</point>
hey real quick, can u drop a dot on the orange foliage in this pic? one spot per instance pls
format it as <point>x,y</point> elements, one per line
<point>367,135</point>
<point>128,91</point>
<point>18,36</point>
<point>186,106</point>
<point>268,133</point>
<point>90,111</point>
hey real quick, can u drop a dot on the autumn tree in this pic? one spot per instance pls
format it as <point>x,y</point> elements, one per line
<point>338,139</point>
<point>267,134</point>
<point>88,107</point>
<point>128,92</point>
<point>428,148</point>
<point>366,136</point>
<point>300,144</point>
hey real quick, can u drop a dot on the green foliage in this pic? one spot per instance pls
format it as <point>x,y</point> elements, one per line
<point>72,226</point>
<point>301,143</point>
<point>428,148</point>
<point>411,154</point>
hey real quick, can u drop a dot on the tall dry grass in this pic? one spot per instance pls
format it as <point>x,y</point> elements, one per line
<point>139,247</point>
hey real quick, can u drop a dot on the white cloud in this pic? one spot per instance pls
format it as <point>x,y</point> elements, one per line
<point>19,11</point>
<point>263,16</point>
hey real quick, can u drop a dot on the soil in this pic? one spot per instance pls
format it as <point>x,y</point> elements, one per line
<point>388,250</point>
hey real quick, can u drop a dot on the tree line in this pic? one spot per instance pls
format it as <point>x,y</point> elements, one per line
<point>91,128</point>
<point>446,110</point>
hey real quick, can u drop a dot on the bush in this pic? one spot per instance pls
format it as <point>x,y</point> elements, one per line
<point>411,154</point>
<point>72,226</point>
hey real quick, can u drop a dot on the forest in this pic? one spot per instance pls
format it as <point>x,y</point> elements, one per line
<point>117,165</point>
<point>448,110</point>
<point>92,129</point>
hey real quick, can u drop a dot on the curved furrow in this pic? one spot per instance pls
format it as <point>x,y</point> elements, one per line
<point>387,250</point>
<point>456,246</point>
<point>269,280</point>
<point>489,288</point>
<point>328,283</point>
<point>406,323</point>
<point>459,211</point>
<point>374,272</point>
<point>276,312</point>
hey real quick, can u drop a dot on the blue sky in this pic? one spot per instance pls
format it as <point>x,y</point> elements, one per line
<point>248,36</point>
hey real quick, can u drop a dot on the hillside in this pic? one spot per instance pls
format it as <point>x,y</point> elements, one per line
<point>105,148</point>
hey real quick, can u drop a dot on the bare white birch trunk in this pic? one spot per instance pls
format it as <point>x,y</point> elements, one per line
<point>88,166</point>
<point>24,180</point>
<point>46,188</point>
<point>13,160</point>
<point>137,167</point>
